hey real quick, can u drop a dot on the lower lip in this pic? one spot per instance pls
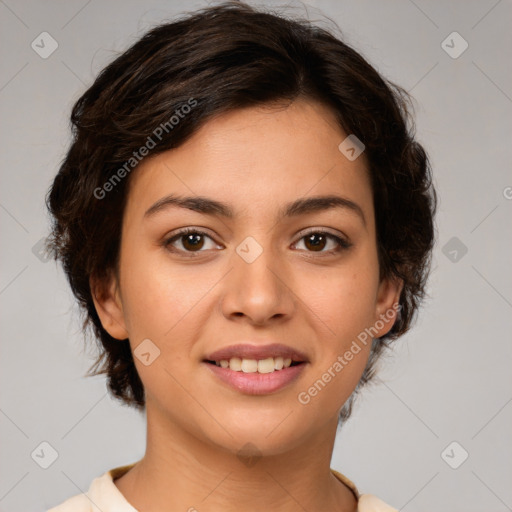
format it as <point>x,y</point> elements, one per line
<point>257,383</point>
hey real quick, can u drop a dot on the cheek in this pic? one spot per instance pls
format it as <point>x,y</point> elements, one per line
<point>342,302</point>
<point>159,297</point>
<point>343,309</point>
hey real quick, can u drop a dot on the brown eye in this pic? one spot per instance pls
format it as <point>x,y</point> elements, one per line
<point>190,240</point>
<point>316,241</point>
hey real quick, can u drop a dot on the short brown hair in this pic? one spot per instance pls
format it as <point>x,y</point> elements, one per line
<point>227,57</point>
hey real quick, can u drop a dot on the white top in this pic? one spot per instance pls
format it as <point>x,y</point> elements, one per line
<point>104,496</point>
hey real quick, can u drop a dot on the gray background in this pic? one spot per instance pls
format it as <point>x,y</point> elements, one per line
<point>448,379</point>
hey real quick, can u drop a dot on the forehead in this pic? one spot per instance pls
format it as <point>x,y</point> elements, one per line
<point>254,157</point>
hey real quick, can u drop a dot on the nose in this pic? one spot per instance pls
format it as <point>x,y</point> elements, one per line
<point>258,291</point>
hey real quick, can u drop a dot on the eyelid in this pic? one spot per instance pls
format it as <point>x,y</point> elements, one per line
<point>184,231</point>
<point>336,234</point>
<point>318,229</point>
<point>341,240</point>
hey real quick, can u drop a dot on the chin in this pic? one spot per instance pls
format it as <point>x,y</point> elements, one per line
<point>266,434</point>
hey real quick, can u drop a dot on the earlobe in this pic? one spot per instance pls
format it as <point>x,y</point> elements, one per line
<point>109,307</point>
<point>388,304</point>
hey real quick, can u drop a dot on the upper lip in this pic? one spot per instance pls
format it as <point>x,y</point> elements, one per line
<point>248,351</point>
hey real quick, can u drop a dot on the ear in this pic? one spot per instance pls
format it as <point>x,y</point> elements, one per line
<point>109,307</point>
<point>387,305</point>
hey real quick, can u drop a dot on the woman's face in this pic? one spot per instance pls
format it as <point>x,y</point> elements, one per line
<point>305,278</point>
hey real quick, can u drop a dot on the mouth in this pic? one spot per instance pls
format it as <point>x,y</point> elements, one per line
<point>262,366</point>
<point>256,369</point>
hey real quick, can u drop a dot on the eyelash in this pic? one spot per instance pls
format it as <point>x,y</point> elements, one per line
<point>342,244</point>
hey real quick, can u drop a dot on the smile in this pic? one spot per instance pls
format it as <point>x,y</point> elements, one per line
<point>267,365</point>
<point>249,380</point>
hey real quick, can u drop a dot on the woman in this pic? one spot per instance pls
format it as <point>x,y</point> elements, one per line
<point>247,221</point>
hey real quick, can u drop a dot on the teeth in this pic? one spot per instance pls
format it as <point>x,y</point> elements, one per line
<point>235,364</point>
<point>268,365</point>
<point>249,365</point>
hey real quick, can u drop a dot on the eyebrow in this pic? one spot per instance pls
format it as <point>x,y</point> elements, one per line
<point>301,206</point>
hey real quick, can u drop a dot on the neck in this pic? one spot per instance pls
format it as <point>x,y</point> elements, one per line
<point>181,472</point>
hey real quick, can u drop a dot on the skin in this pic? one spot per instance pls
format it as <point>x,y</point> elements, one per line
<point>257,160</point>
